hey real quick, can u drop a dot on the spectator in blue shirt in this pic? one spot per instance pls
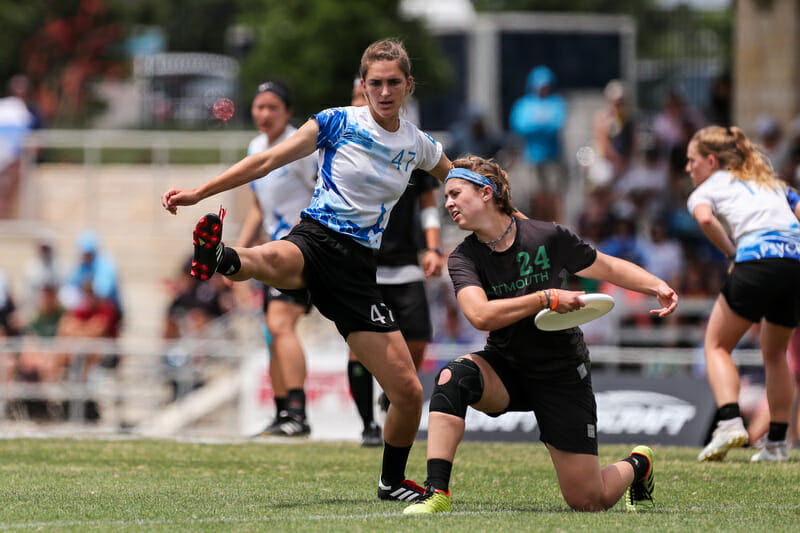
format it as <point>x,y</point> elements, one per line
<point>94,265</point>
<point>538,118</point>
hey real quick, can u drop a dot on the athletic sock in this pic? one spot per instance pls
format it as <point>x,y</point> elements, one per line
<point>439,474</point>
<point>393,470</point>
<point>777,431</point>
<point>229,264</point>
<point>728,411</point>
<point>640,464</point>
<point>296,402</point>
<point>280,403</point>
<point>361,388</point>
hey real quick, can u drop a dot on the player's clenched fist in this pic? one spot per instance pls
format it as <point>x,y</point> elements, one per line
<point>175,197</point>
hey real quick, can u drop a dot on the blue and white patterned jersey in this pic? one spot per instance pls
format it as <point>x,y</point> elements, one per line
<point>758,219</point>
<point>284,192</point>
<point>363,171</point>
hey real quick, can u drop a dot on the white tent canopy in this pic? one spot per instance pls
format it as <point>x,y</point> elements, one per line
<point>441,13</point>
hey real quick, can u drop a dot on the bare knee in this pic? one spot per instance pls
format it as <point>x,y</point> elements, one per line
<point>406,392</point>
<point>586,499</point>
<point>280,325</point>
<point>268,261</point>
<point>587,503</point>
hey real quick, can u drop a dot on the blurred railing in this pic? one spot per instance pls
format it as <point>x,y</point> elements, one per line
<point>143,384</point>
<point>229,143</point>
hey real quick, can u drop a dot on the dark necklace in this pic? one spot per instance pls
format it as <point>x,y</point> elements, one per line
<point>491,244</point>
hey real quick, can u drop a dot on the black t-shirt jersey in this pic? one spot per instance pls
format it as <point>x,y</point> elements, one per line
<point>541,255</point>
<point>403,237</point>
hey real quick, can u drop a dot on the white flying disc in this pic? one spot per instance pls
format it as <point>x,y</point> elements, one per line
<point>596,306</point>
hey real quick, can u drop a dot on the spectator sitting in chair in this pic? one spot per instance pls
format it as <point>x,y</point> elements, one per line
<point>95,266</point>
<point>34,363</point>
<point>93,318</point>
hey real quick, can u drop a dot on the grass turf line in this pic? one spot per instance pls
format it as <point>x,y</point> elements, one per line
<point>157,485</point>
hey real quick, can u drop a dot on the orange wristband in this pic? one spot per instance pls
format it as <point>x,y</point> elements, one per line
<point>554,299</point>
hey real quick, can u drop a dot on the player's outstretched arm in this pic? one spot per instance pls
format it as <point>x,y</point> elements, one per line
<point>442,168</point>
<point>488,315</point>
<point>302,143</point>
<point>630,276</point>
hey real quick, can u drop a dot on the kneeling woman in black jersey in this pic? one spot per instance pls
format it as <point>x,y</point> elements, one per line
<point>504,273</point>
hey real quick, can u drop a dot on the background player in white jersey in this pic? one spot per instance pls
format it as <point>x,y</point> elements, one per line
<point>366,157</point>
<point>743,210</point>
<point>278,199</point>
<point>504,273</point>
<point>413,229</point>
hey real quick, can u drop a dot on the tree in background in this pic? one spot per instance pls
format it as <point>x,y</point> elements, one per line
<point>64,47</point>
<point>316,46</point>
<point>68,51</point>
<point>190,25</point>
<point>18,20</point>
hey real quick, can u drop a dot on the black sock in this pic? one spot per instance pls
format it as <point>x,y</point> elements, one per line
<point>296,402</point>
<point>777,431</point>
<point>361,388</point>
<point>728,411</point>
<point>640,464</point>
<point>280,404</point>
<point>439,474</point>
<point>230,263</point>
<point>393,471</point>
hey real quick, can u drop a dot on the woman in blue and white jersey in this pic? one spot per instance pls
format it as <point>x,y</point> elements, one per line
<point>280,196</point>
<point>745,211</point>
<point>366,156</point>
<point>278,199</point>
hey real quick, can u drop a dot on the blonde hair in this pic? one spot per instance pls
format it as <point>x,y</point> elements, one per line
<point>493,171</point>
<point>737,154</point>
<point>386,50</point>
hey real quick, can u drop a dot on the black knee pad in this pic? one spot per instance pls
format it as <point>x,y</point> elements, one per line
<point>464,387</point>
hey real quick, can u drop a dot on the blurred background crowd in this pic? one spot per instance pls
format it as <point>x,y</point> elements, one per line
<point>589,105</point>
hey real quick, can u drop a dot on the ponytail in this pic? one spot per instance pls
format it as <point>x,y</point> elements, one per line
<point>737,154</point>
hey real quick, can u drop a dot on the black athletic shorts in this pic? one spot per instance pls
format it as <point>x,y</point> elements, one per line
<point>292,296</point>
<point>563,403</point>
<point>409,304</point>
<point>340,276</point>
<point>765,288</point>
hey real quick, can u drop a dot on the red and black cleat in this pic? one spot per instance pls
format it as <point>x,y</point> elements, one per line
<point>208,246</point>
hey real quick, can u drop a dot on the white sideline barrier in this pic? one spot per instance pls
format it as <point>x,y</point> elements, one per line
<point>332,414</point>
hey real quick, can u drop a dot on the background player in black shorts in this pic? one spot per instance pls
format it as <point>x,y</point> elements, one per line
<point>278,199</point>
<point>504,273</point>
<point>748,214</point>
<point>413,229</point>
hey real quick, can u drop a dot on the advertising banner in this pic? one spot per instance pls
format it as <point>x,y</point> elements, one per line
<point>631,408</point>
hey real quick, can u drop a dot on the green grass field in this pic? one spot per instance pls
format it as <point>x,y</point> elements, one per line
<point>134,485</point>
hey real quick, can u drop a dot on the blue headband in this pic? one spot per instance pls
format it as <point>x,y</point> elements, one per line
<point>474,177</point>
